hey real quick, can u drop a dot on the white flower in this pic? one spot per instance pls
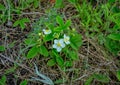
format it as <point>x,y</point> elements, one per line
<point>58,44</point>
<point>66,39</point>
<point>47,31</point>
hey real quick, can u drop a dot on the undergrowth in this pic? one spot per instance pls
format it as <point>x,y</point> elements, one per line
<point>70,42</point>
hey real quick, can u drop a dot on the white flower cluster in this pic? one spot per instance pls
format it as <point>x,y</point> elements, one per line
<point>58,43</point>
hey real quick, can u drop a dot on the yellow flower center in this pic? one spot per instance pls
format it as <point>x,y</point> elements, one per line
<point>66,39</point>
<point>58,44</point>
<point>47,30</point>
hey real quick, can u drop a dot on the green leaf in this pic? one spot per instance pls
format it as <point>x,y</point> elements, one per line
<point>2,48</point>
<point>67,24</point>
<point>73,55</point>
<point>48,37</point>
<point>51,62</point>
<point>22,25</point>
<point>24,82</point>
<point>58,29</point>
<point>25,20</point>
<point>114,36</point>
<point>111,1</point>
<point>32,52</point>
<point>36,3</point>
<point>118,75</point>
<point>72,1</point>
<point>55,53</point>
<point>76,41</point>
<point>2,7</point>
<point>60,21</point>
<point>59,81</point>
<point>3,80</point>
<point>30,1</point>
<point>16,23</point>
<point>21,22</point>
<point>43,51</point>
<point>29,41</point>
<point>89,80</point>
<point>60,61</point>
<point>116,10</point>
<point>68,63</point>
<point>112,46</point>
<point>58,3</point>
<point>58,58</point>
<point>101,78</point>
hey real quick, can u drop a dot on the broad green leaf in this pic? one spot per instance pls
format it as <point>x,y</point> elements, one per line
<point>32,52</point>
<point>112,45</point>
<point>3,80</point>
<point>50,26</point>
<point>2,48</point>
<point>58,29</point>
<point>60,21</point>
<point>48,37</point>
<point>60,61</point>
<point>89,80</point>
<point>43,51</point>
<point>114,36</point>
<point>51,62</point>
<point>55,53</point>
<point>118,75</point>
<point>24,82</point>
<point>76,41</point>
<point>73,55</point>
<point>58,58</point>
<point>102,78</point>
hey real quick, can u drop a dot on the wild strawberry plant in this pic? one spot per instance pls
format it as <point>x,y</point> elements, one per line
<point>57,41</point>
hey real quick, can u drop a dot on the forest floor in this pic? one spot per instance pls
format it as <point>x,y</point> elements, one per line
<point>94,57</point>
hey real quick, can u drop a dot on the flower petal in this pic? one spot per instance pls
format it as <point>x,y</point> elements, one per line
<point>61,41</point>
<point>59,49</point>
<point>54,46</point>
<point>43,30</point>
<point>55,41</point>
<point>62,45</point>
<point>64,35</point>
<point>68,42</point>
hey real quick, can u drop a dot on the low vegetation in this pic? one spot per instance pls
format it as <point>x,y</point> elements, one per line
<point>60,42</point>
